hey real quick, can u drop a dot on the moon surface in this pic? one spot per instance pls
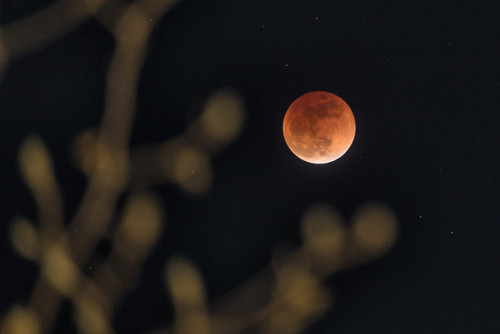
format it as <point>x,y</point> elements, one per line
<point>319,127</point>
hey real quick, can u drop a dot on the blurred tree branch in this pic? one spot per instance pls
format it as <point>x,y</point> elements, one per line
<point>284,298</point>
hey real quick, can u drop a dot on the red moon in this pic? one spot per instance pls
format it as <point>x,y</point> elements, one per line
<point>319,127</point>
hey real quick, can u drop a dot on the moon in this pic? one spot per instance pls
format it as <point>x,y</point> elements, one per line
<point>319,127</point>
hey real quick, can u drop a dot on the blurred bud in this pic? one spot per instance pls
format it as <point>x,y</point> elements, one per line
<point>374,228</point>
<point>140,227</point>
<point>223,115</point>
<point>133,27</point>
<point>60,270</point>
<point>185,284</point>
<point>324,236</point>
<point>36,166</point>
<point>190,169</point>
<point>85,151</point>
<point>20,320</point>
<point>298,297</point>
<point>24,238</point>
<point>89,316</point>
<point>188,295</point>
<point>220,121</point>
<point>298,287</point>
<point>37,171</point>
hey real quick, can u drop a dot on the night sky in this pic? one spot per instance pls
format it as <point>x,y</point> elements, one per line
<point>422,79</point>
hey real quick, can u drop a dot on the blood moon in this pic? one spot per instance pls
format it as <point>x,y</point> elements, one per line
<point>319,127</point>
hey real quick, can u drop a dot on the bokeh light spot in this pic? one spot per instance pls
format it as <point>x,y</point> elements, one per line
<point>374,228</point>
<point>223,116</point>
<point>142,221</point>
<point>36,165</point>
<point>324,236</point>
<point>20,321</point>
<point>24,238</point>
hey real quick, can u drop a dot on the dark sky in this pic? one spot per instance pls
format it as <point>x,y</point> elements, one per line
<point>422,81</point>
